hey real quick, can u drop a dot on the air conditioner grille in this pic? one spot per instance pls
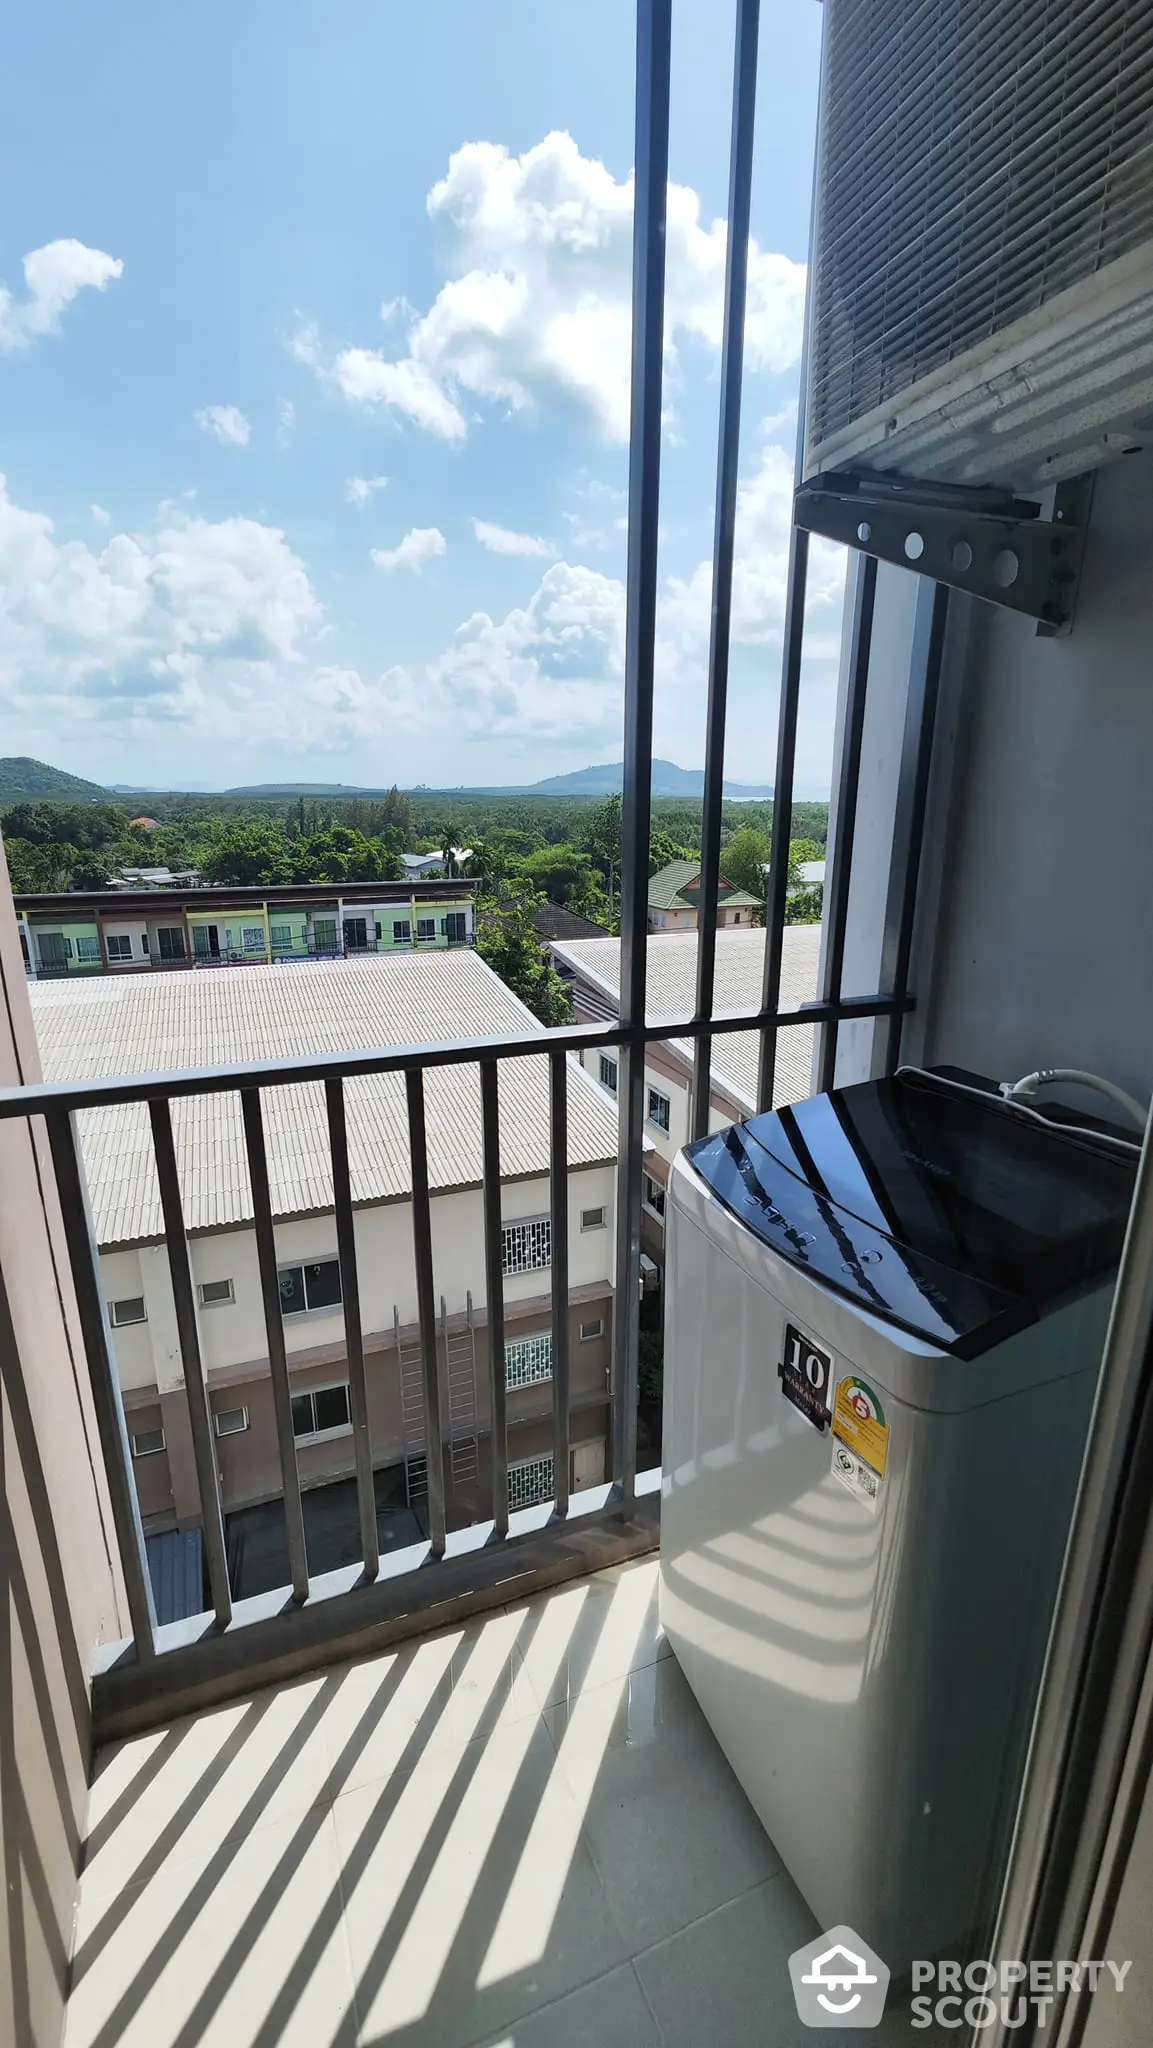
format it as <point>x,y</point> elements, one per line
<point>975,160</point>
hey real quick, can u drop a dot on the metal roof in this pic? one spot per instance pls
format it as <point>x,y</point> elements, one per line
<point>216,897</point>
<point>671,973</point>
<point>670,887</point>
<point>137,1024</point>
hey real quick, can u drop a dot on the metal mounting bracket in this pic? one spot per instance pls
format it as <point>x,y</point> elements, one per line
<point>986,542</point>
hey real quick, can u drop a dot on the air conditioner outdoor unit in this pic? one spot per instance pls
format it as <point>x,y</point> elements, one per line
<point>982,293</point>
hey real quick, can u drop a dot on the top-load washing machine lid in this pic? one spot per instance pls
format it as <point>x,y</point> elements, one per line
<point>958,1220</point>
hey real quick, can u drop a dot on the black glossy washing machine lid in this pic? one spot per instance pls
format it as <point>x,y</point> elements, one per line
<point>955,1218</point>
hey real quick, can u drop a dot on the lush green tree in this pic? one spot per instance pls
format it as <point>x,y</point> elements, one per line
<point>507,940</point>
<point>744,859</point>
<point>36,870</point>
<point>249,855</point>
<point>52,824</point>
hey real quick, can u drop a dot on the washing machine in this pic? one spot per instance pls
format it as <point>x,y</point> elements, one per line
<point>885,1315</point>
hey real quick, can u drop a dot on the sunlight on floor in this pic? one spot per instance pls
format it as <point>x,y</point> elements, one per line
<point>518,1833</point>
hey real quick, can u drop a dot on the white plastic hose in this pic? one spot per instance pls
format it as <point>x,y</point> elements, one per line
<point>1026,1088</point>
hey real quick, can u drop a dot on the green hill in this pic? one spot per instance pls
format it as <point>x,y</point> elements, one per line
<point>21,776</point>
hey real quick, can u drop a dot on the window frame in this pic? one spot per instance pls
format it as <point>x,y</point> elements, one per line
<point>520,1362</point>
<point>547,1463</point>
<point>607,1060</point>
<point>459,923</point>
<point>426,931</point>
<point>402,931</point>
<point>215,1300</point>
<point>171,932</point>
<point>298,1315</point>
<point>647,1182</point>
<point>542,1224</point>
<point>321,1436</point>
<point>142,1450</point>
<point>127,1322</point>
<point>601,1215</point>
<point>592,1329</point>
<point>656,1095</point>
<point>88,939</point>
<point>119,945</point>
<point>218,1415</point>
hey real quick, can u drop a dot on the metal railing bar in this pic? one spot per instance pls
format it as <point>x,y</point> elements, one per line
<point>728,453</point>
<point>844,817</point>
<point>353,1328</point>
<point>918,807</point>
<point>195,1390</point>
<point>651,158</point>
<point>426,1310</point>
<point>106,1399</point>
<point>777,892</point>
<point>494,1288</point>
<point>274,1332</point>
<point>559,1228</point>
<point>108,1092</point>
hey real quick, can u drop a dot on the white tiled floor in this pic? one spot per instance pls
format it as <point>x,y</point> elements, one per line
<point>520,1832</point>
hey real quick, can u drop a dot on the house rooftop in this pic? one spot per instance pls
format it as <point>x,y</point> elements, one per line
<point>676,887</point>
<point>139,1024</point>
<point>671,985</point>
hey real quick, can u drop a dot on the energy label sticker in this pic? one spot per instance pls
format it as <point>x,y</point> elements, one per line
<point>860,1439</point>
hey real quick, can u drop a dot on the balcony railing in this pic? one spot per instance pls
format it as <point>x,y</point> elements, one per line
<point>162,1670</point>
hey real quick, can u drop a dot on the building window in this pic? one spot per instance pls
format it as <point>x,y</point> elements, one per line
<point>595,1327</point>
<point>531,1481</point>
<point>356,934</point>
<point>310,1290</point>
<point>146,1442</point>
<point>376,928</point>
<point>54,949</point>
<point>525,1247</point>
<point>171,942</point>
<point>281,937</point>
<point>324,934</point>
<point>323,1411</point>
<point>608,1073</point>
<point>119,946</point>
<point>88,949</point>
<point>401,931</point>
<point>426,927</point>
<point>528,1360</point>
<point>592,1219</point>
<point>230,1421</point>
<point>213,1291</point>
<point>130,1310</point>
<point>253,938</point>
<point>660,1109</point>
<point>455,926</point>
<point>144,944</point>
<point>654,1195</point>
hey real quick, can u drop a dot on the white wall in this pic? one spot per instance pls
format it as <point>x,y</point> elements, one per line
<point>1040,951</point>
<point>232,1333</point>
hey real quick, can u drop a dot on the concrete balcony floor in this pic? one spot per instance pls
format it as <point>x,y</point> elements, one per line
<point>520,1831</point>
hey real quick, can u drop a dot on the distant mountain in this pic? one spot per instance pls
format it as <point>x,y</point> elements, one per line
<point>22,777</point>
<point>304,789</point>
<point>668,780</point>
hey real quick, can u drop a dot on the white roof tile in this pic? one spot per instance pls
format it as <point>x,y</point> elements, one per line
<point>146,1023</point>
<point>671,988</point>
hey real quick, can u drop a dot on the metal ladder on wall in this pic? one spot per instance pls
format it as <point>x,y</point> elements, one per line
<point>411,1365</point>
<point>459,1351</point>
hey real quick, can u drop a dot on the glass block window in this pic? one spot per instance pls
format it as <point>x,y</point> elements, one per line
<point>528,1360</point>
<point>530,1481</point>
<point>525,1247</point>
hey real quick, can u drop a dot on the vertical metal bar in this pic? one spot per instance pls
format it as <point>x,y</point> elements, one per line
<point>274,1336</point>
<point>651,159</point>
<point>195,1390</point>
<point>844,817</point>
<point>928,664</point>
<point>494,1288</point>
<point>85,1262</point>
<point>776,894</point>
<point>558,1215</point>
<point>353,1331</point>
<point>426,1308</point>
<point>728,451</point>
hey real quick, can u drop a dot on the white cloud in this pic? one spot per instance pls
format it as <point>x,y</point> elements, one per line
<point>500,540</point>
<point>536,308</point>
<point>99,516</point>
<point>418,547</point>
<point>190,618</point>
<point>226,423</point>
<point>53,276</point>
<point>359,489</point>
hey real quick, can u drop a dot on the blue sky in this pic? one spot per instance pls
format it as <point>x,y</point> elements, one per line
<point>313,387</point>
